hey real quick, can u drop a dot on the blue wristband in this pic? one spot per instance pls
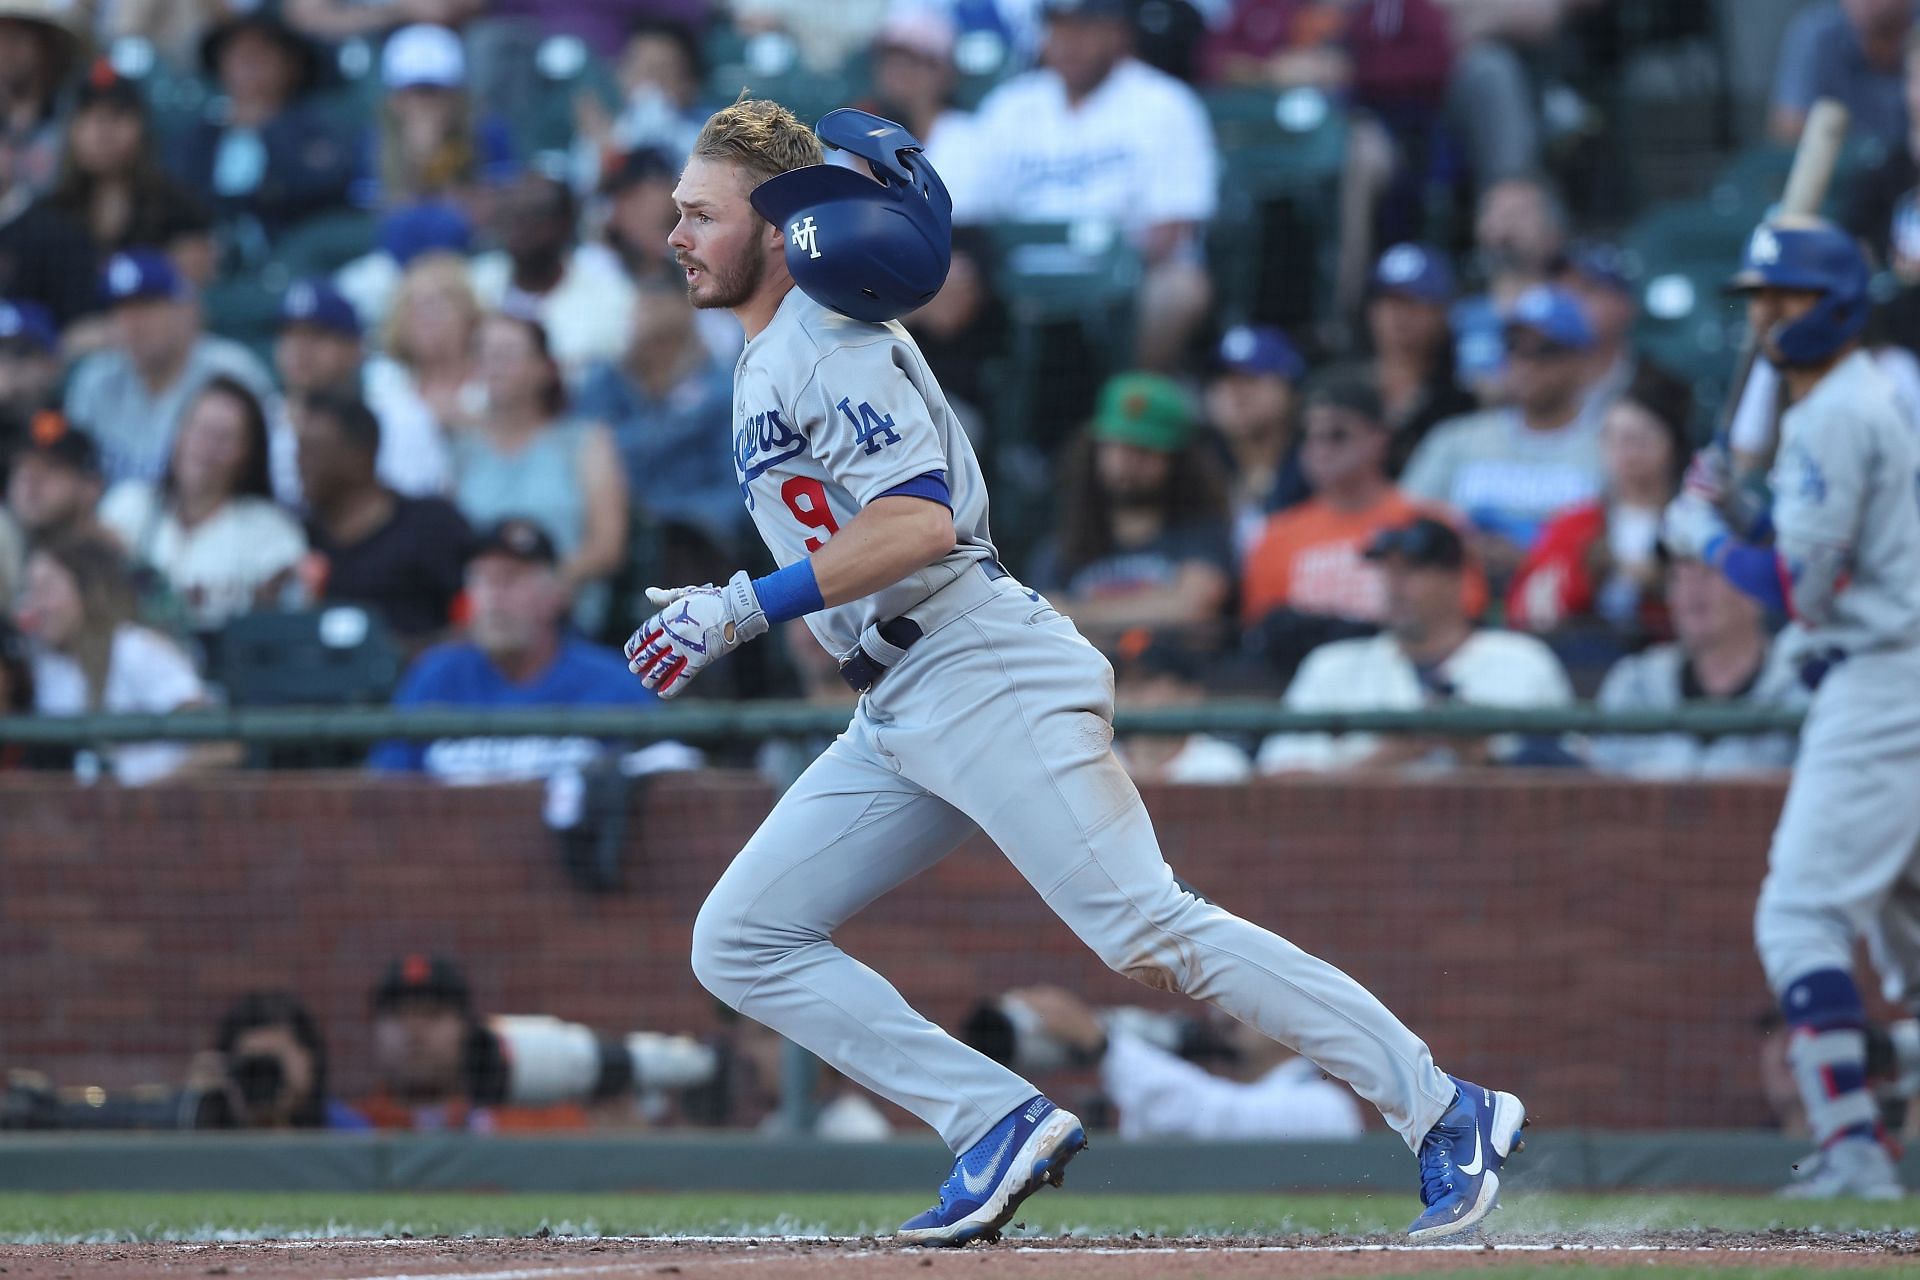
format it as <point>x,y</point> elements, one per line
<point>789,593</point>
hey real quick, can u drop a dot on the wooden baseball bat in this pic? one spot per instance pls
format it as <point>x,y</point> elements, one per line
<point>1813,164</point>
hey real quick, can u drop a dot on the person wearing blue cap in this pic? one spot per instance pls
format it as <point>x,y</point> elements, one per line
<point>1250,406</point>
<point>1506,470</point>
<point>130,396</point>
<point>319,349</point>
<point>1412,365</point>
<point>1603,278</point>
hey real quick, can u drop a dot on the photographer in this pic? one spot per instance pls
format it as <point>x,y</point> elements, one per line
<point>1148,1069</point>
<point>440,1067</point>
<point>267,1071</point>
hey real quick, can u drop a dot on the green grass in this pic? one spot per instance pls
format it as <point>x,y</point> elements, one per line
<point>184,1215</point>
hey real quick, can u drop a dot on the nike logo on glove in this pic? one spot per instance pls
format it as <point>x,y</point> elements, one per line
<point>976,1186</point>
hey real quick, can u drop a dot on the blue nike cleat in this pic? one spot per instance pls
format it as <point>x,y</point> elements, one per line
<point>990,1179</point>
<point>1460,1160</point>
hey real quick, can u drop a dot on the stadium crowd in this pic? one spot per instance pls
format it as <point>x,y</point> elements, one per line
<point>361,312</point>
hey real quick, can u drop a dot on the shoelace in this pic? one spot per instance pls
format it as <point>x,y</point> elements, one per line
<point>1436,1165</point>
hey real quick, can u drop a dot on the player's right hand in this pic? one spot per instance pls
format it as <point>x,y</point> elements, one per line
<point>1709,475</point>
<point>694,626</point>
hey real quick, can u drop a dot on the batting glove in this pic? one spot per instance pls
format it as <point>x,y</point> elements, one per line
<point>694,626</point>
<point>1690,526</point>
<point>1710,474</point>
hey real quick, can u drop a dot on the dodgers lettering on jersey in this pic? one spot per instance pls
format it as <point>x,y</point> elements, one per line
<point>830,413</point>
<point>1847,478</point>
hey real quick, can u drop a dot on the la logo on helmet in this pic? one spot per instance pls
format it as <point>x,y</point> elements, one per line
<point>804,233</point>
<point>1765,249</point>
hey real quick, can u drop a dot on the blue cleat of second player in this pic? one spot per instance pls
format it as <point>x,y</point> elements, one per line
<point>1460,1160</point>
<point>1031,1146</point>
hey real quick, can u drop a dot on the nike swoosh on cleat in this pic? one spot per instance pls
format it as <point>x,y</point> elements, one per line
<point>1472,1167</point>
<point>975,1187</point>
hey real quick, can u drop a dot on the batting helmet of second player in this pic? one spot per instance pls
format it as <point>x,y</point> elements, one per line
<point>1813,255</point>
<point>870,248</point>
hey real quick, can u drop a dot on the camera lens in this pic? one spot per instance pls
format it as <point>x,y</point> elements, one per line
<point>259,1077</point>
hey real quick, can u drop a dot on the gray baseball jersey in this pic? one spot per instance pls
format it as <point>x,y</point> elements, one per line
<point>829,414</point>
<point>998,720</point>
<point>1847,480</point>
<point>1846,492</point>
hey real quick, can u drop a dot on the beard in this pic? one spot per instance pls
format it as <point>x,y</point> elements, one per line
<point>724,290</point>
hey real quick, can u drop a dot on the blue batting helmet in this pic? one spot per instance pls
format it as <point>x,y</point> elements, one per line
<point>1816,256</point>
<point>872,250</point>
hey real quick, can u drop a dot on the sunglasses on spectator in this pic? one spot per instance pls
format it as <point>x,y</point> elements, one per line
<point>1332,439</point>
<point>1535,349</point>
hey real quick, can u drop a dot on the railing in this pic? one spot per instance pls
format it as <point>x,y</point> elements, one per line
<point>715,722</point>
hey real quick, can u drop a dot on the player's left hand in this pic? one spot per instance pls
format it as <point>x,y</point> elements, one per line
<point>694,626</point>
<point>1690,526</point>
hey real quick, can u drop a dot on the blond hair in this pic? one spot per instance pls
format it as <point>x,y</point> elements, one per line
<point>435,272</point>
<point>762,138</point>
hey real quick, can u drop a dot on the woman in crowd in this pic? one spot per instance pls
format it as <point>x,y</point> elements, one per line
<point>111,184</point>
<point>431,336</point>
<point>210,529</point>
<point>429,143</point>
<point>528,457</point>
<point>1597,564</point>
<point>90,656</point>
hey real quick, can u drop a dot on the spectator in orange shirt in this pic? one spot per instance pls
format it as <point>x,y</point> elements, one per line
<point>1307,580</point>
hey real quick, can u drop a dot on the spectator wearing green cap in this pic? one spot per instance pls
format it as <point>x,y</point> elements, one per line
<point>1144,539</point>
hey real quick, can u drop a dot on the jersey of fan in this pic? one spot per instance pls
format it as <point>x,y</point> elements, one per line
<point>1847,479</point>
<point>830,414</point>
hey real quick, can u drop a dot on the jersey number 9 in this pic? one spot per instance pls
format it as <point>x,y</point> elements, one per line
<point>807,499</point>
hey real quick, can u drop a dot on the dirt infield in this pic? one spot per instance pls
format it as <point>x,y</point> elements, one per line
<point>875,1259</point>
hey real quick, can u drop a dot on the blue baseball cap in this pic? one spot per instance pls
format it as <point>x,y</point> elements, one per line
<point>316,302</point>
<point>1553,313</point>
<point>1258,349</point>
<point>1413,271</point>
<point>433,225</point>
<point>1598,262</point>
<point>140,274</point>
<point>28,324</point>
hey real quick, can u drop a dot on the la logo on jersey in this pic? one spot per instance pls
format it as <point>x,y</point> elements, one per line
<point>804,233</point>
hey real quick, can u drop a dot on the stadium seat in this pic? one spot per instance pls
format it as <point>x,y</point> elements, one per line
<point>326,242</point>
<point>1687,232</point>
<point>333,656</point>
<point>1689,325</point>
<point>768,66</point>
<point>1278,222</point>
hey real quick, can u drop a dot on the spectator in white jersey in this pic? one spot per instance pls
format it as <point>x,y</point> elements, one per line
<point>1097,134</point>
<point>1151,1069</point>
<point>1429,655</point>
<point>1722,653</point>
<point>1508,470</point>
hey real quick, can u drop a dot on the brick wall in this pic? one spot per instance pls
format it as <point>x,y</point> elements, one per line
<point>1584,941</point>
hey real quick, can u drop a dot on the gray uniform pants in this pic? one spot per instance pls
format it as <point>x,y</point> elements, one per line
<point>1000,720</point>
<point>1842,864</point>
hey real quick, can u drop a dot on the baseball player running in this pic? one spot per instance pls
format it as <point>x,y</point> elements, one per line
<point>983,708</point>
<point>1840,552</point>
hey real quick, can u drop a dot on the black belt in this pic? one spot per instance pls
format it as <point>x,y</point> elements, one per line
<point>862,670</point>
